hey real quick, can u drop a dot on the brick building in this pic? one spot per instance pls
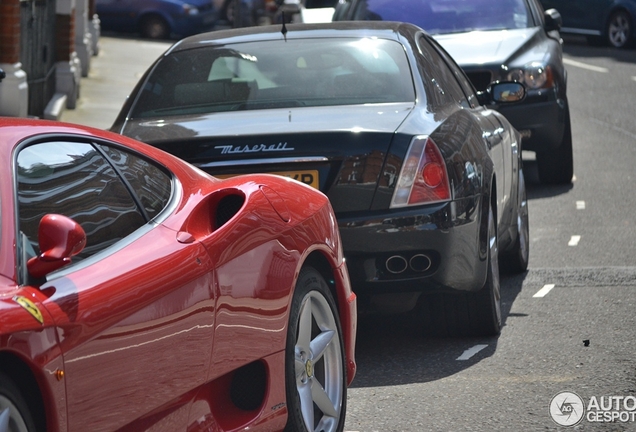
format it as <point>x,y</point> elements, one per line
<point>45,48</point>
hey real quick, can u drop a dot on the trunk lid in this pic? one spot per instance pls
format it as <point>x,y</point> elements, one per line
<point>339,151</point>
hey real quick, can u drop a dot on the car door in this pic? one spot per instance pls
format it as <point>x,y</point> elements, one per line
<point>135,310</point>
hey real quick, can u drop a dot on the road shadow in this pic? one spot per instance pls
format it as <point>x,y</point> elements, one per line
<point>396,350</point>
<point>535,189</point>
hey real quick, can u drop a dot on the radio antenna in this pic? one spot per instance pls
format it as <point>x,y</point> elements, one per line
<point>284,29</point>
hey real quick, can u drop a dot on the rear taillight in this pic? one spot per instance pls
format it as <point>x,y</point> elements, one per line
<point>423,179</point>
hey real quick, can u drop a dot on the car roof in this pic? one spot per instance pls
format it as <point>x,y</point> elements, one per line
<point>384,29</point>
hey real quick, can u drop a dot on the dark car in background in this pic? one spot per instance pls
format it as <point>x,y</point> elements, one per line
<point>157,19</point>
<point>609,21</point>
<point>494,40</point>
<point>426,183</point>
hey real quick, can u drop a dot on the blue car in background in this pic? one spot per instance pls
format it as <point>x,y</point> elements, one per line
<point>610,21</point>
<point>157,19</point>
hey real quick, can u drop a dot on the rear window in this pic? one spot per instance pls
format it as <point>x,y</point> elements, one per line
<point>448,16</point>
<point>277,74</point>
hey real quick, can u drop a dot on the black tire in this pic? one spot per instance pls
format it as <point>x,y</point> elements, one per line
<point>154,27</point>
<point>619,29</point>
<point>315,374</point>
<point>556,166</point>
<point>484,306</point>
<point>515,260</point>
<point>12,403</point>
<point>467,313</point>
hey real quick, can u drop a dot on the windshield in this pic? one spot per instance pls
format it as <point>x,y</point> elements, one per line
<point>277,74</point>
<point>448,16</point>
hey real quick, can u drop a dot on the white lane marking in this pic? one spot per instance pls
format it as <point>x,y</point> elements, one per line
<point>544,291</point>
<point>471,352</point>
<point>580,205</point>
<point>574,240</point>
<point>585,66</point>
<point>634,78</point>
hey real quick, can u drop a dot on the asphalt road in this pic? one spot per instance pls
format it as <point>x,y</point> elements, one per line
<point>581,283</point>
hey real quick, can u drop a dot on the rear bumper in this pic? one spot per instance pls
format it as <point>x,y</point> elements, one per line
<point>435,247</point>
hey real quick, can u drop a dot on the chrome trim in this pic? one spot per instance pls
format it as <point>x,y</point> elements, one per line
<point>397,259</point>
<point>413,263</point>
<point>261,161</point>
<point>581,31</point>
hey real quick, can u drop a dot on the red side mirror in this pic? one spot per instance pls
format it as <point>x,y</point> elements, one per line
<point>60,238</point>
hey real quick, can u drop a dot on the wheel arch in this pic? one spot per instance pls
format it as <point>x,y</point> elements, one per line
<point>321,263</point>
<point>619,7</point>
<point>340,289</point>
<point>489,200</point>
<point>24,377</point>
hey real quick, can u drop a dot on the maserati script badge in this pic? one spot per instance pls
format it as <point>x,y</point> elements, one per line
<point>230,149</point>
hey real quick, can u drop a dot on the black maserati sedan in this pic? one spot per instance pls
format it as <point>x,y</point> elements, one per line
<point>495,40</point>
<point>424,177</point>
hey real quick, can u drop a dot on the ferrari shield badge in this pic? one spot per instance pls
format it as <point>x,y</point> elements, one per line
<point>30,307</point>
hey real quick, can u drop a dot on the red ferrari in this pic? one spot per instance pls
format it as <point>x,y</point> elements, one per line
<point>139,293</point>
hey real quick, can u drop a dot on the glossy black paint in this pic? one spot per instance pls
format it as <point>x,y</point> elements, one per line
<point>359,151</point>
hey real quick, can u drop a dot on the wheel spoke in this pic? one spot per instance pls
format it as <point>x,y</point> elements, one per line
<point>320,344</point>
<point>304,327</point>
<point>4,420</point>
<point>321,398</point>
<point>307,405</point>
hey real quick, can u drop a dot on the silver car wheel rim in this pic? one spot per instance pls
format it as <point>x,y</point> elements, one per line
<point>10,418</point>
<point>522,225</point>
<point>155,30</point>
<point>494,264</point>
<point>618,30</point>
<point>318,364</point>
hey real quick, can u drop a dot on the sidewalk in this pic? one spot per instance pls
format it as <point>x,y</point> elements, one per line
<point>113,74</point>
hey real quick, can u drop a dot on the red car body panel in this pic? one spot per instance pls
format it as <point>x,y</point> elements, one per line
<point>148,336</point>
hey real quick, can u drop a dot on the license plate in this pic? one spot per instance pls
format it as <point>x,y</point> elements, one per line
<point>309,177</point>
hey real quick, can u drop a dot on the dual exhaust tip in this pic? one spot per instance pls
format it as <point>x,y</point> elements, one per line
<point>418,263</point>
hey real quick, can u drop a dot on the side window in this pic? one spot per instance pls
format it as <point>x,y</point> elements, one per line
<point>76,180</point>
<point>442,84</point>
<point>152,186</point>
<point>464,82</point>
